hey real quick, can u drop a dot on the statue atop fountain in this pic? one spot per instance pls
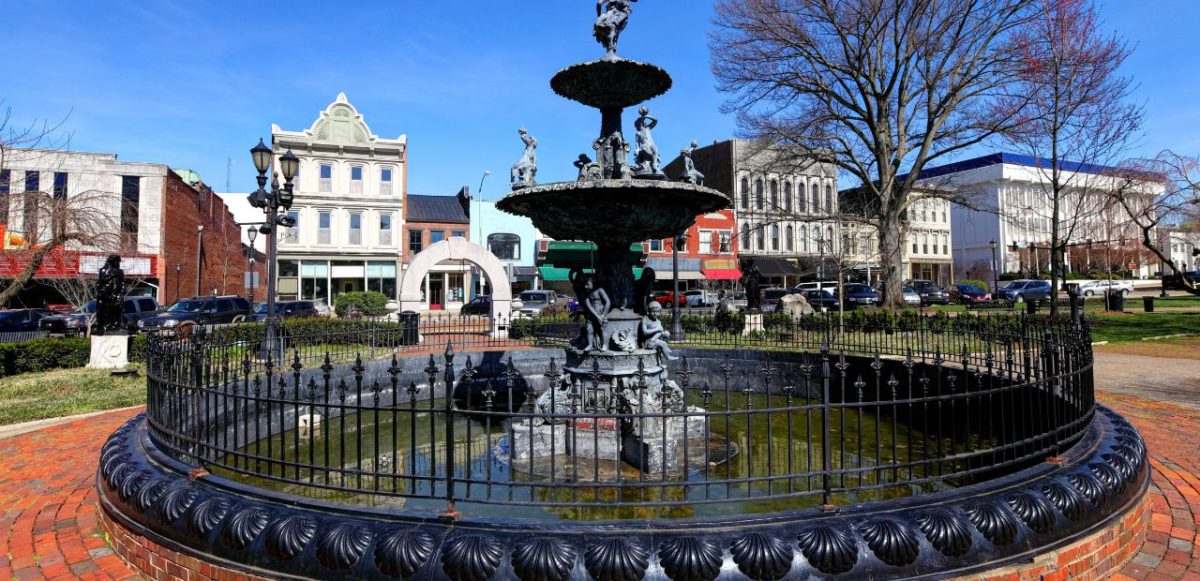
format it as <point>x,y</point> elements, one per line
<point>611,17</point>
<point>524,172</point>
<point>647,150</point>
<point>690,174</point>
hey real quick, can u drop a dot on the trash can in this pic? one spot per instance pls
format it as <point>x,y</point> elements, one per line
<point>1114,301</point>
<point>1148,304</point>
<point>1031,306</point>
<point>410,321</point>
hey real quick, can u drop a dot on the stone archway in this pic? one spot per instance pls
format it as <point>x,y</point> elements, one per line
<point>460,249</point>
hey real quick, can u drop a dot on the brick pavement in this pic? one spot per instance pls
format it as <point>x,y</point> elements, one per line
<point>48,512</point>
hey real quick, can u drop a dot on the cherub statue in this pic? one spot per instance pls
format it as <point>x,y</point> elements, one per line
<point>690,175</point>
<point>596,306</point>
<point>611,17</point>
<point>612,154</point>
<point>652,333</point>
<point>647,151</point>
<point>588,169</point>
<point>524,171</point>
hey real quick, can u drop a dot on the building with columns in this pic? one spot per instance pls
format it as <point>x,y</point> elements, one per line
<point>349,208</point>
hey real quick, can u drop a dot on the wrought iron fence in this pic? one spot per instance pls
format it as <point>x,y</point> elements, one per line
<point>821,410</point>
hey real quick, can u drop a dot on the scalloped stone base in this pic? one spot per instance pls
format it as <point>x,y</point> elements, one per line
<point>1078,518</point>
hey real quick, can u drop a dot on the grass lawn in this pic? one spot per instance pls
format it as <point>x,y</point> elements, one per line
<point>1116,328</point>
<point>63,392</point>
<point>1176,348</point>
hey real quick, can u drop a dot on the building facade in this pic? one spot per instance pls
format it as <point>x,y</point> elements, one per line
<point>157,219</point>
<point>925,253</point>
<point>1181,246</point>
<point>512,239</point>
<point>348,207</point>
<point>708,257</point>
<point>786,211</point>
<point>427,221</point>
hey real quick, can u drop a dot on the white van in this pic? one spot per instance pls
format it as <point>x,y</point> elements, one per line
<point>829,285</point>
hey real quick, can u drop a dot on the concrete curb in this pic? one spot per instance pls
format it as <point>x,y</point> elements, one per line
<point>12,430</point>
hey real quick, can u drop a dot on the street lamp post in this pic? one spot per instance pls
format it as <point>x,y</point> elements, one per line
<point>479,218</point>
<point>271,201</point>
<point>251,235</point>
<point>995,273</point>
<point>178,272</point>
<point>199,255</point>
<point>677,322</point>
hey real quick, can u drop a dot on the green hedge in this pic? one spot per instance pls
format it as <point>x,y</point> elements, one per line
<point>976,283</point>
<point>44,354</point>
<point>367,304</point>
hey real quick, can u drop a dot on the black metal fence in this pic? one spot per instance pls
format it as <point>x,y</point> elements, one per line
<point>823,409</point>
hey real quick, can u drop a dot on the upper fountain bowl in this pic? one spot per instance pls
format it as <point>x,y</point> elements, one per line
<point>614,211</point>
<point>611,82</point>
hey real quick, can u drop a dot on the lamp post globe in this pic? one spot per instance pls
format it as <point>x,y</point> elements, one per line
<point>261,154</point>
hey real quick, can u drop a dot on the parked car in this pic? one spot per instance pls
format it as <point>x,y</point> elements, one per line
<point>930,292</point>
<point>911,298</point>
<point>207,310</point>
<point>969,293</point>
<point>1101,287</point>
<point>534,302</point>
<point>480,305</point>
<point>1019,291</point>
<point>133,309</point>
<point>664,298</point>
<point>286,310</point>
<point>17,320</point>
<point>860,295</point>
<point>323,308</point>
<point>771,296</point>
<point>821,299</point>
<point>735,300</point>
<point>698,298</point>
<point>829,285</point>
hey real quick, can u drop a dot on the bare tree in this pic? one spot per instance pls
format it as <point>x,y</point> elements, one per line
<point>77,291</point>
<point>1073,116</point>
<point>871,86</point>
<point>1159,192</point>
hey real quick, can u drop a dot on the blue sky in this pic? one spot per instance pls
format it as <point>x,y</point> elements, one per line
<point>191,84</point>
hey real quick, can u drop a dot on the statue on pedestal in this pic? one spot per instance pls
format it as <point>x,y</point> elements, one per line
<point>652,333</point>
<point>110,298</point>
<point>752,282</point>
<point>690,175</point>
<point>647,151</point>
<point>524,172</point>
<point>596,306</point>
<point>612,15</point>
<point>612,155</point>
<point>588,169</point>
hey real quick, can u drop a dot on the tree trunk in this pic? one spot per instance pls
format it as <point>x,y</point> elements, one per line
<point>891,240</point>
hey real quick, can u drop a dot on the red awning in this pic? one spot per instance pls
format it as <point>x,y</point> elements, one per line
<point>722,274</point>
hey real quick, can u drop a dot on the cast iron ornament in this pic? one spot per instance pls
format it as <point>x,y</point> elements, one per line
<point>762,556</point>
<point>543,559</point>
<point>342,546</point>
<point>288,537</point>
<point>617,559</point>
<point>403,553</point>
<point>471,557</point>
<point>690,559</point>
<point>830,550</point>
<point>894,543</point>
<point>946,532</point>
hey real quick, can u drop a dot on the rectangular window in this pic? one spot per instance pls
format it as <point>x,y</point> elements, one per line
<point>326,185</point>
<point>324,228</point>
<point>385,229</point>
<point>33,181</point>
<point>385,181</point>
<point>726,242</point>
<point>292,235</point>
<point>914,246</point>
<point>415,241</point>
<point>60,185</point>
<point>355,229</point>
<point>656,246</point>
<point>5,190</point>
<point>131,196</point>
<point>356,179</point>
<point>459,234</point>
<point>436,236</point>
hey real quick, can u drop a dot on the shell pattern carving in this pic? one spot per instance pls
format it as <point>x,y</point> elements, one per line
<point>174,503</point>
<point>342,546</point>
<point>1034,511</point>
<point>1091,488</point>
<point>151,491</point>
<point>543,559</point>
<point>1130,455</point>
<point>206,516</point>
<point>690,559</point>
<point>762,556</point>
<point>1066,499</point>
<point>403,553</point>
<point>946,532</point>
<point>1109,477</point>
<point>894,543</point>
<point>1121,465</point>
<point>130,484</point>
<point>242,528</point>
<point>288,537</point>
<point>471,557</point>
<point>997,525</point>
<point>617,559</point>
<point>831,550</point>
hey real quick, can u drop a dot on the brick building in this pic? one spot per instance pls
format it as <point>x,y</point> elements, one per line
<point>709,257</point>
<point>427,221</point>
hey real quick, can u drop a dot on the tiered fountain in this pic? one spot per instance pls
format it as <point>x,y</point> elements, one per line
<point>617,363</point>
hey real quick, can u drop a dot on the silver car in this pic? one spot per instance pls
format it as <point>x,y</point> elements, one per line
<point>911,298</point>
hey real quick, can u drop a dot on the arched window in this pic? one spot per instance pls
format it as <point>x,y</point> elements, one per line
<point>758,194</point>
<point>775,237</point>
<point>774,194</point>
<point>801,198</point>
<point>505,246</point>
<point>745,235</point>
<point>787,196</point>
<point>745,201</point>
<point>829,238</point>
<point>760,236</point>
<point>790,239</point>
<point>829,200</point>
<point>816,198</point>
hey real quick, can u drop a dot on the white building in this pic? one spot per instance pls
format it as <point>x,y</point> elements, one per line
<point>348,208</point>
<point>1010,204</point>
<point>925,253</point>
<point>1181,247</point>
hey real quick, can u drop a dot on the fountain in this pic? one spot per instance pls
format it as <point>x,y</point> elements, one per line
<point>622,349</point>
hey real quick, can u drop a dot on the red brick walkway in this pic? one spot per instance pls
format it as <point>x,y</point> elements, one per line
<point>48,527</point>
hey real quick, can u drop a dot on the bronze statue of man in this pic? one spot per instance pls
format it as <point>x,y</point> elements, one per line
<point>752,282</point>
<point>110,297</point>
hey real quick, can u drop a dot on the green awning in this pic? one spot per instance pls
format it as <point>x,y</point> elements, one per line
<point>557,274</point>
<point>570,255</point>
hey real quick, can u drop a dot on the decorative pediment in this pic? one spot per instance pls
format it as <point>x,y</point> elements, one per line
<point>342,124</point>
